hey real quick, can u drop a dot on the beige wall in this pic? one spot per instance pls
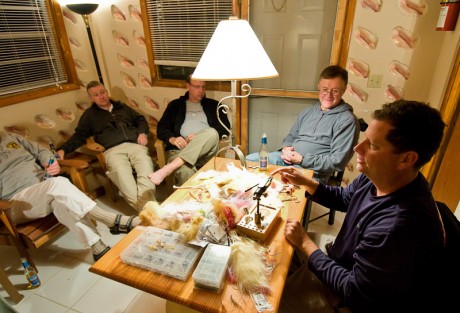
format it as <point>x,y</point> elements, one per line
<point>430,61</point>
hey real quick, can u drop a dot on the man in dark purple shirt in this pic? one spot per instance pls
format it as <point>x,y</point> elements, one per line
<point>386,255</point>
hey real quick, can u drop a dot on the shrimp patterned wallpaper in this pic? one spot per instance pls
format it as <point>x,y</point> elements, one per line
<point>386,37</point>
<point>402,39</point>
<point>118,35</point>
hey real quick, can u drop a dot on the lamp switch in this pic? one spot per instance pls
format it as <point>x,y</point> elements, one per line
<point>375,81</point>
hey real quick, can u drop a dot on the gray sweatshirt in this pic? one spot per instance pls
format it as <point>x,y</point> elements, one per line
<point>324,138</point>
<point>21,163</point>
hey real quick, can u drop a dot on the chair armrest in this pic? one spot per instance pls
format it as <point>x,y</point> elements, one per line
<point>161,152</point>
<point>77,164</point>
<point>5,205</point>
<point>94,146</point>
<point>5,217</point>
<point>76,170</point>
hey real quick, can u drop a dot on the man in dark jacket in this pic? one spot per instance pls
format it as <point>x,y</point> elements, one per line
<point>191,131</point>
<point>123,133</point>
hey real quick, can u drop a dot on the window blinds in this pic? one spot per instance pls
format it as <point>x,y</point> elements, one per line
<point>180,30</point>
<point>29,57</point>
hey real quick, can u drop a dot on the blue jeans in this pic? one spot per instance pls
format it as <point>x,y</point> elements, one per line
<point>273,158</point>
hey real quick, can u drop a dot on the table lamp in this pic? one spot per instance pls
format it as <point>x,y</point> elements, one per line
<point>234,53</point>
<point>85,8</point>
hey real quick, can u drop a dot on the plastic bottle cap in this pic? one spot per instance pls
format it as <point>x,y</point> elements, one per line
<point>264,138</point>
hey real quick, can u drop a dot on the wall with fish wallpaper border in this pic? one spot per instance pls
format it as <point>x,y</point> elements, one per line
<point>397,40</point>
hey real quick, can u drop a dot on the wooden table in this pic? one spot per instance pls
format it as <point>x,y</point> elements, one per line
<point>183,292</point>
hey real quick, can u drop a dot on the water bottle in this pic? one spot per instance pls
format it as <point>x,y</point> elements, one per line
<point>263,153</point>
<point>31,274</point>
<point>47,175</point>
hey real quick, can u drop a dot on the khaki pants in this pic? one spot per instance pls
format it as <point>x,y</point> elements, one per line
<point>121,160</point>
<point>196,154</point>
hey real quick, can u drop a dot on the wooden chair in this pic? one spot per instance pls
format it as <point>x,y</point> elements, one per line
<point>99,152</point>
<point>9,287</point>
<point>334,180</point>
<point>34,234</point>
<point>76,167</point>
<point>30,235</point>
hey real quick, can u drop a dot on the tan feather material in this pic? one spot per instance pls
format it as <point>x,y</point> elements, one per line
<point>185,223</point>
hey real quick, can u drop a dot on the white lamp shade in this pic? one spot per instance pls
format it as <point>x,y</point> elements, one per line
<point>234,53</point>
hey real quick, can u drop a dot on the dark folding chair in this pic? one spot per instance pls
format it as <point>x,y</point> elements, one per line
<point>334,180</point>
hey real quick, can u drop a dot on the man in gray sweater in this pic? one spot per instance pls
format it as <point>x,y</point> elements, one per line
<point>323,136</point>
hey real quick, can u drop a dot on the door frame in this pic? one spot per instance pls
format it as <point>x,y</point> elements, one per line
<point>450,110</point>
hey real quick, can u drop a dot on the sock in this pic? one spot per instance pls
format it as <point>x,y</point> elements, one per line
<point>108,218</point>
<point>98,247</point>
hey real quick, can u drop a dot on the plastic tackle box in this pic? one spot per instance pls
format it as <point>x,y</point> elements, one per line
<point>162,251</point>
<point>212,268</point>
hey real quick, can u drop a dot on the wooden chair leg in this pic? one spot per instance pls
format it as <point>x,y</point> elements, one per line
<point>9,287</point>
<point>20,247</point>
<point>111,188</point>
<point>77,170</point>
<point>79,180</point>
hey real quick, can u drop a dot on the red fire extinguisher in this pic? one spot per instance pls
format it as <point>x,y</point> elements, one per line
<point>448,16</point>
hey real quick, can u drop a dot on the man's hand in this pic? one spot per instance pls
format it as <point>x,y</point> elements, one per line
<point>292,175</point>
<point>190,137</point>
<point>180,142</point>
<point>142,139</point>
<point>53,169</point>
<point>290,156</point>
<point>295,176</point>
<point>298,237</point>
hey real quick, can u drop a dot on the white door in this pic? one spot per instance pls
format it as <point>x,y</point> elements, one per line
<point>298,37</point>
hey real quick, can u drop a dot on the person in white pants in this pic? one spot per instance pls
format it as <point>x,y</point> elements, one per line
<point>21,174</point>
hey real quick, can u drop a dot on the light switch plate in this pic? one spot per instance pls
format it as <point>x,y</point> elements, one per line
<point>375,81</point>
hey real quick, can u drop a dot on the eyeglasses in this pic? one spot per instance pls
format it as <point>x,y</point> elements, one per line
<point>334,92</point>
<point>198,86</point>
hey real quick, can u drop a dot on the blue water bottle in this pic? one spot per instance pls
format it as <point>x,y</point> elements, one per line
<point>47,175</point>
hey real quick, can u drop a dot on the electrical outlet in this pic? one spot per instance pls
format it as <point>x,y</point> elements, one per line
<point>375,81</point>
